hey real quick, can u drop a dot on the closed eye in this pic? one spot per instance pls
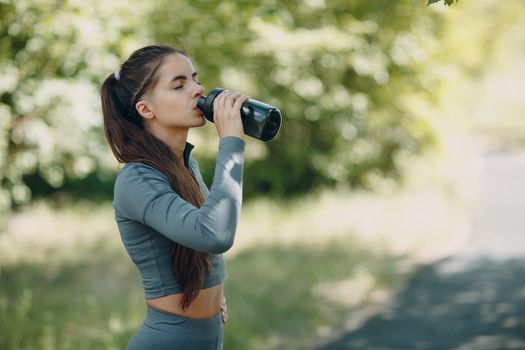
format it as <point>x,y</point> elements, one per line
<point>184,78</point>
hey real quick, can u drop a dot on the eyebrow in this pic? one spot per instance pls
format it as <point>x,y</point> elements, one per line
<point>178,77</point>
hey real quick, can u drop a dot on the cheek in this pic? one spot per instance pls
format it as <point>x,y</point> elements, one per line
<point>175,99</point>
<point>169,102</point>
<point>173,108</point>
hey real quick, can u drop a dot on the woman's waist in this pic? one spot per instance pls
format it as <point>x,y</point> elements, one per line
<point>205,305</point>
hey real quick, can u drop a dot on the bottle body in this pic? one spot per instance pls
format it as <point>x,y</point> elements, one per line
<point>259,119</point>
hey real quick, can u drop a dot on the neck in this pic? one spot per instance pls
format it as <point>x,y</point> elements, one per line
<point>174,138</point>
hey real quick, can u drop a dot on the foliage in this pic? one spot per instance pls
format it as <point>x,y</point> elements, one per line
<point>447,2</point>
<point>346,75</point>
<point>52,56</point>
<point>339,72</point>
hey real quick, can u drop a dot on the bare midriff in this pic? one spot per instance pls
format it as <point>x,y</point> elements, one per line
<point>205,305</point>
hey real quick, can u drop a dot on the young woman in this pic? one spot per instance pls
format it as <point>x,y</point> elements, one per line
<point>173,228</point>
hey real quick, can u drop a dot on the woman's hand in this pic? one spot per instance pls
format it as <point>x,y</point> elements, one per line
<point>227,113</point>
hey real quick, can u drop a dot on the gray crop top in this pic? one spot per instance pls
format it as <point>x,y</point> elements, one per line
<point>151,216</point>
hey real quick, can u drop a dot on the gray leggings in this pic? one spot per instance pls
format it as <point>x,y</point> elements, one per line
<point>163,330</point>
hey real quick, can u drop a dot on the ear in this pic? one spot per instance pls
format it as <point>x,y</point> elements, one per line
<point>144,109</point>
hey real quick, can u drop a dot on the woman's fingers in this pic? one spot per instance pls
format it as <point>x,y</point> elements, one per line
<point>227,113</point>
<point>230,100</point>
<point>239,101</point>
<point>220,101</point>
<point>227,99</point>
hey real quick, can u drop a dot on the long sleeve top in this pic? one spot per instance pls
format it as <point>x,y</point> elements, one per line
<point>151,216</point>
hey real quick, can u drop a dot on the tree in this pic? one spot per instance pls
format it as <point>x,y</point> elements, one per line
<point>339,71</point>
<point>52,55</point>
<point>347,77</point>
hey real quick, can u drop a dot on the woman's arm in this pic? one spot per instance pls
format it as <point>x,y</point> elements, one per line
<point>143,194</point>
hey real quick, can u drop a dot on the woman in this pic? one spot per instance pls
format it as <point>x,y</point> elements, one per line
<point>173,228</point>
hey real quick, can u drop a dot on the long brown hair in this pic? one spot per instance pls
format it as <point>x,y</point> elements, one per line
<point>131,142</point>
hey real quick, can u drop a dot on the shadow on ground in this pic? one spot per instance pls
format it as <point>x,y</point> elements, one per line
<point>454,304</point>
<point>271,291</point>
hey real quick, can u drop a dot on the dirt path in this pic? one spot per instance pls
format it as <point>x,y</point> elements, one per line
<point>474,299</point>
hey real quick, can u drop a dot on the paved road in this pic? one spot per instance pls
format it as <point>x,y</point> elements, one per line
<point>475,299</point>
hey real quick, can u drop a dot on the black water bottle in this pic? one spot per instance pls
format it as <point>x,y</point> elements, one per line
<point>259,120</point>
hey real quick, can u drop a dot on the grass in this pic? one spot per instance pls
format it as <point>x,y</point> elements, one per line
<point>85,305</point>
<point>280,296</point>
<point>97,302</point>
<point>299,273</point>
<point>67,283</point>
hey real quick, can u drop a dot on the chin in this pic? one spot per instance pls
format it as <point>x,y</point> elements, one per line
<point>201,122</point>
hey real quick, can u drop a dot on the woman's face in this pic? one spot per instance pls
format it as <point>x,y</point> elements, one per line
<point>173,100</point>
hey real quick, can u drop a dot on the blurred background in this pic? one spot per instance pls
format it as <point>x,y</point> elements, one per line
<point>390,110</point>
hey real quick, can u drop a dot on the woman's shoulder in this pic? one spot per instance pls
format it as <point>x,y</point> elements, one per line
<point>137,166</point>
<point>134,172</point>
<point>135,186</point>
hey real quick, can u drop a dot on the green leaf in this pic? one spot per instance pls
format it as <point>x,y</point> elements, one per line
<point>447,2</point>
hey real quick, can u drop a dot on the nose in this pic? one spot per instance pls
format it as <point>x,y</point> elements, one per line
<point>199,91</point>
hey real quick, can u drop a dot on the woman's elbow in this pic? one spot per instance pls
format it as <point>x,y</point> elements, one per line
<point>218,237</point>
<point>220,246</point>
<point>219,242</point>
